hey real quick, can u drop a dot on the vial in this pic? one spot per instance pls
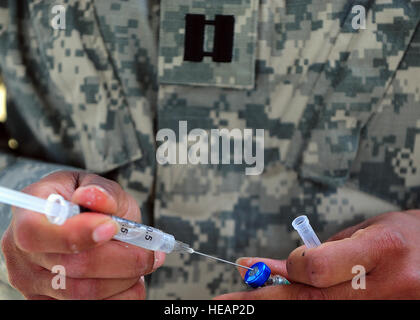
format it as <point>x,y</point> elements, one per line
<point>260,275</point>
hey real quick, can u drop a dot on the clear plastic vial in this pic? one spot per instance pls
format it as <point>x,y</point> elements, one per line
<point>302,226</point>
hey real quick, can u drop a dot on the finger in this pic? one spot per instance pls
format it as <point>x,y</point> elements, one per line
<point>289,292</point>
<point>62,182</point>
<point>66,288</point>
<point>348,232</point>
<point>88,190</point>
<point>136,292</point>
<point>34,233</point>
<point>276,266</point>
<point>34,281</point>
<point>21,272</point>
<point>344,291</point>
<point>106,196</point>
<point>114,259</point>
<point>332,262</point>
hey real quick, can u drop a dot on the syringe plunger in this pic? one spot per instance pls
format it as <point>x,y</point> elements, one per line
<point>56,208</point>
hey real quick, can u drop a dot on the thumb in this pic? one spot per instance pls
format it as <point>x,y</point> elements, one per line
<point>105,196</point>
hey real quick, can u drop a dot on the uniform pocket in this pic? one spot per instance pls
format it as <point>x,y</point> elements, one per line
<point>83,88</point>
<point>388,161</point>
<point>351,86</point>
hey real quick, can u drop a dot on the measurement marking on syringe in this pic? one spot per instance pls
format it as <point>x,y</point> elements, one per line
<point>148,237</point>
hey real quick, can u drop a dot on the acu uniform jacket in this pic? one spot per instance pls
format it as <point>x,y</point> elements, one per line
<point>339,106</point>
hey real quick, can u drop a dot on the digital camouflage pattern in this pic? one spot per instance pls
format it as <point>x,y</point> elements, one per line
<point>340,109</point>
<point>238,74</point>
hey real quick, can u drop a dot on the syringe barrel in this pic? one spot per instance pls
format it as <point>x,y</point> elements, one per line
<point>144,236</point>
<point>303,227</point>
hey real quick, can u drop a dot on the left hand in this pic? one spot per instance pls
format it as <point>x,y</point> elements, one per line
<point>387,246</point>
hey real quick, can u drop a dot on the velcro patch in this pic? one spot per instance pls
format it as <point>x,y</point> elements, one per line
<point>208,43</point>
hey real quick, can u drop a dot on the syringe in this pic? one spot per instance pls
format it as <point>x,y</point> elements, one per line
<point>58,210</point>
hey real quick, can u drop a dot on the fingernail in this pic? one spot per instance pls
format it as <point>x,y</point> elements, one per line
<point>93,197</point>
<point>104,232</point>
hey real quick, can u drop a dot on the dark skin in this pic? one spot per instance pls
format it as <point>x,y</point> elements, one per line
<point>96,266</point>
<point>387,246</point>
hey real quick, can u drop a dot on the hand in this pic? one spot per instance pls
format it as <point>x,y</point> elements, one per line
<point>96,268</point>
<point>387,246</point>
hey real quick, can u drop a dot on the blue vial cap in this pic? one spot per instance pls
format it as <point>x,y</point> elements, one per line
<point>258,275</point>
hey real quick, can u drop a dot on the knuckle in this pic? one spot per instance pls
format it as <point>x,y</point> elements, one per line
<point>317,270</point>
<point>115,186</point>
<point>76,244</point>
<point>77,265</point>
<point>85,289</point>
<point>360,233</point>
<point>391,240</point>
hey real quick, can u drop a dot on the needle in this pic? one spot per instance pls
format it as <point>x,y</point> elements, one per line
<point>225,261</point>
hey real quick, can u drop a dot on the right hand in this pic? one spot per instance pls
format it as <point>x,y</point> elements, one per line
<point>96,268</point>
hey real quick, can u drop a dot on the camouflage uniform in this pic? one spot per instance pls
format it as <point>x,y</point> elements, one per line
<point>340,109</point>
